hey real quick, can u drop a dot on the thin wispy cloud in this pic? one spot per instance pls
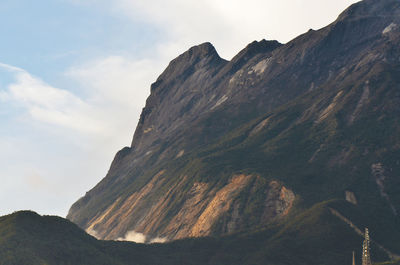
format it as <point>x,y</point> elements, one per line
<point>113,92</point>
<point>229,24</point>
<point>48,121</point>
<point>115,79</point>
<point>48,104</point>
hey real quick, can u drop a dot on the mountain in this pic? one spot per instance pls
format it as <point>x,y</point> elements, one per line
<point>27,238</point>
<point>225,147</point>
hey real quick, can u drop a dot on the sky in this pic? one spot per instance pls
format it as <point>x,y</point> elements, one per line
<point>75,74</point>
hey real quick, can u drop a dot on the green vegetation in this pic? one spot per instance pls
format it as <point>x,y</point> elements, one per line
<point>27,238</point>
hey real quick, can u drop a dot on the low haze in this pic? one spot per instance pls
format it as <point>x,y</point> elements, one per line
<point>74,76</point>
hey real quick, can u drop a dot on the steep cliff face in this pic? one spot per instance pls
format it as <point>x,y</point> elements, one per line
<point>225,146</point>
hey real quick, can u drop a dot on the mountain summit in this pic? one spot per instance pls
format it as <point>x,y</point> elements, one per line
<point>231,146</point>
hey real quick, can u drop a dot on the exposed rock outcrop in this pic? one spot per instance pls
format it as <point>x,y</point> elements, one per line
<point>200,213</point>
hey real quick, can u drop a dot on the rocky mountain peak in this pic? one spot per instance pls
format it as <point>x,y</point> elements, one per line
<point>251,52</point>
<point>263,46</point>
<point>200,51</point>
<point>197,57</point>
<point>196,54</point>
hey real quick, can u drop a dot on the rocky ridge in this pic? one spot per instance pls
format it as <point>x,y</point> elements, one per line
<point>227,146</point>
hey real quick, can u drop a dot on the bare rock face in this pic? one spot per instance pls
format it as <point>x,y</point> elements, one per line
<point>225,146</point>
<point>201,211</point>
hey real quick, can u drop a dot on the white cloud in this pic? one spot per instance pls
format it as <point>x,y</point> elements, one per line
<point>116,79</point>
<point>133,236</point>
<point>117,89</point>
<point>230,24</point>
<point>61,144</point>
<point>114,90</point>
<point>137,237</point>
<point>49,104</point>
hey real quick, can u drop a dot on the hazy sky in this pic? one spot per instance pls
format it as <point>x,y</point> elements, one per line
<point>74,75</point>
